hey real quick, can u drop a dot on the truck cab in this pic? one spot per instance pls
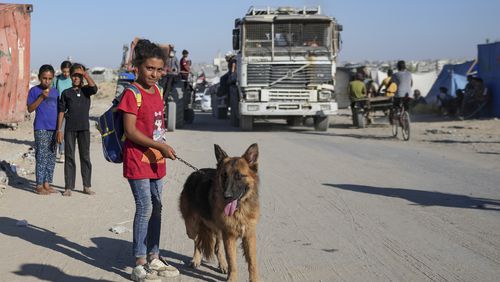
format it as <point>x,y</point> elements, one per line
<point>286,62</point>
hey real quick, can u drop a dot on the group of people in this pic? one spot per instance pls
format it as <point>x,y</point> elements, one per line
<point>62,106</point>
<point>145,150</point>
<point>174,68</point>
<point>466,100</point>
<point>397,85</point>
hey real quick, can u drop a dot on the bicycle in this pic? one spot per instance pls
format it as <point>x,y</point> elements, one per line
<point>400,117</point>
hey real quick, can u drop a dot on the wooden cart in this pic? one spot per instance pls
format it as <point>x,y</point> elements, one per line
<point>361,108</point>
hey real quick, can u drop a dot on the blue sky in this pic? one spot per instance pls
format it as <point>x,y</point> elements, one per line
<point>93,31</point>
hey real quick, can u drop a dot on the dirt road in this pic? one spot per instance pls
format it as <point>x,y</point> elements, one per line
<point>344,205</point>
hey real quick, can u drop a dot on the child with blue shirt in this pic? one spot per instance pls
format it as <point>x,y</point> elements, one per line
<point>43,100</point>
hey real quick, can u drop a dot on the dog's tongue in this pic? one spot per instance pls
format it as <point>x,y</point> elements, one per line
<point>230,208</point>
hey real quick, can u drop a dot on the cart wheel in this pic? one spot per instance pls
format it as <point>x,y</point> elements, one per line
<point>361,119</point>
<point>394,125</point>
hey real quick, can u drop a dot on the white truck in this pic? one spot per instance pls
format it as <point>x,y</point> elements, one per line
<point>286,62</point>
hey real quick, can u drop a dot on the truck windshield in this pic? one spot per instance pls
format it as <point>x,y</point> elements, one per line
<point>290,38</point>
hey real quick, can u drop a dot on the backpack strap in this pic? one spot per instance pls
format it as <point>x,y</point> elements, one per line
<point>160,90</point>
<point>137,94</point>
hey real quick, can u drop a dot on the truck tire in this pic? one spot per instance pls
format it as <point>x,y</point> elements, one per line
<point>321,123</point>
<point>177,97</point>
<point>294,121</point>
<point>189,116</point>
<point>234,117</point>
<point>222,113</point>
<point>246,123</point>
<point>171,115</point>
<point>308,121</point>
<point>179,115</point>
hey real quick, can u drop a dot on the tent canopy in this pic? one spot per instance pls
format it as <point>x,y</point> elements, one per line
<point>452,77</point>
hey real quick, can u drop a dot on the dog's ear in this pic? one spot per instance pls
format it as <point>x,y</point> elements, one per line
<point>251,155</point>
<point>220,155</point>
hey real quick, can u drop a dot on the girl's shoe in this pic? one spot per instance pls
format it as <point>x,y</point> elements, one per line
<point>163,268</point>
<point>143,273</point>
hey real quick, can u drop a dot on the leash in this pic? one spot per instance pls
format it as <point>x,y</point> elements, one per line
<point>189,165</point>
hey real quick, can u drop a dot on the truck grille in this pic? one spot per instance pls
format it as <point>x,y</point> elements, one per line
<point>287,75</point>
<point>287,96</point>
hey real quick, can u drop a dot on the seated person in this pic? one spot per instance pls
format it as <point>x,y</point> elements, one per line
<point>387,87</point>
<point>357,88</point>
<point>417,96</point>
<point>357,91</point>
<point>446,102</point>
<point>475,96</point>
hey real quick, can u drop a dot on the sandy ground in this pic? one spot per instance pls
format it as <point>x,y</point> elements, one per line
<point>343,205</point>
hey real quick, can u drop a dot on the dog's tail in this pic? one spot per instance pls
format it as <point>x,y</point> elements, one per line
<point>205,241</point>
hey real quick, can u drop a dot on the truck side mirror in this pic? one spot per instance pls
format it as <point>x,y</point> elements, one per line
<point>236,39</point>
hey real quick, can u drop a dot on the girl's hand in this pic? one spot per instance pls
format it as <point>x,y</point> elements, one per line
<point>60,137</point>
<point>45,93</point>
<point>167,152</point>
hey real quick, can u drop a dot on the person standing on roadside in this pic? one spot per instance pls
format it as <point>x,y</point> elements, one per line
<point>62,82</point>
<point>74,105</point>
<point>144,163</point>
<point>43,100</point>
<point>185,65</point>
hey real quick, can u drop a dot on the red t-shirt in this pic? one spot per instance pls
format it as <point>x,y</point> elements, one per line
<point>140,162</point>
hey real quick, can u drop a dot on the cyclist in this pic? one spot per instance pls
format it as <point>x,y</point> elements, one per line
<point>404,82</point>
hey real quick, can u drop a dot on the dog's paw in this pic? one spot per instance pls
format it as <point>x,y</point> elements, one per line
<point>195,264</point>
<point>223,268</point>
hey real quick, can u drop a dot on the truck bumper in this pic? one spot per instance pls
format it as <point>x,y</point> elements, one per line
<point>288,109</point>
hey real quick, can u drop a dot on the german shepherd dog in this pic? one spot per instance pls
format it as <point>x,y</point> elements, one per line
<point>220,206</point>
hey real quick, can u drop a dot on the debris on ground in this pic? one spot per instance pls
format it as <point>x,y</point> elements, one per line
<point>119,229</point>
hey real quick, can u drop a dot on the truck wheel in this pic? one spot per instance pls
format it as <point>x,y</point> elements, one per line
<point>222,113</point>
<point>171,114</point>
<point>246,123</point>
<point>189,116</point>
<point>294,121</point>
<point>321,123</point>
<point>308,121</point>
<point>234,117</point>
<point>179,117</point>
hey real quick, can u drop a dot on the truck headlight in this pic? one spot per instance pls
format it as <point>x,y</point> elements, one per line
<point>252,96</point>
<point>324,95</point>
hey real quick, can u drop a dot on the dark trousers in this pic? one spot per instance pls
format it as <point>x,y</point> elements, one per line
<point>83,138</point>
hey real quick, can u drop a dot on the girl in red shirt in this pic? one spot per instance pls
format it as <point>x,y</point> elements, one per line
<point>144,159</point>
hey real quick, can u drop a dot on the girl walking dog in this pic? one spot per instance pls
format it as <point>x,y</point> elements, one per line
<point>144,157</point>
